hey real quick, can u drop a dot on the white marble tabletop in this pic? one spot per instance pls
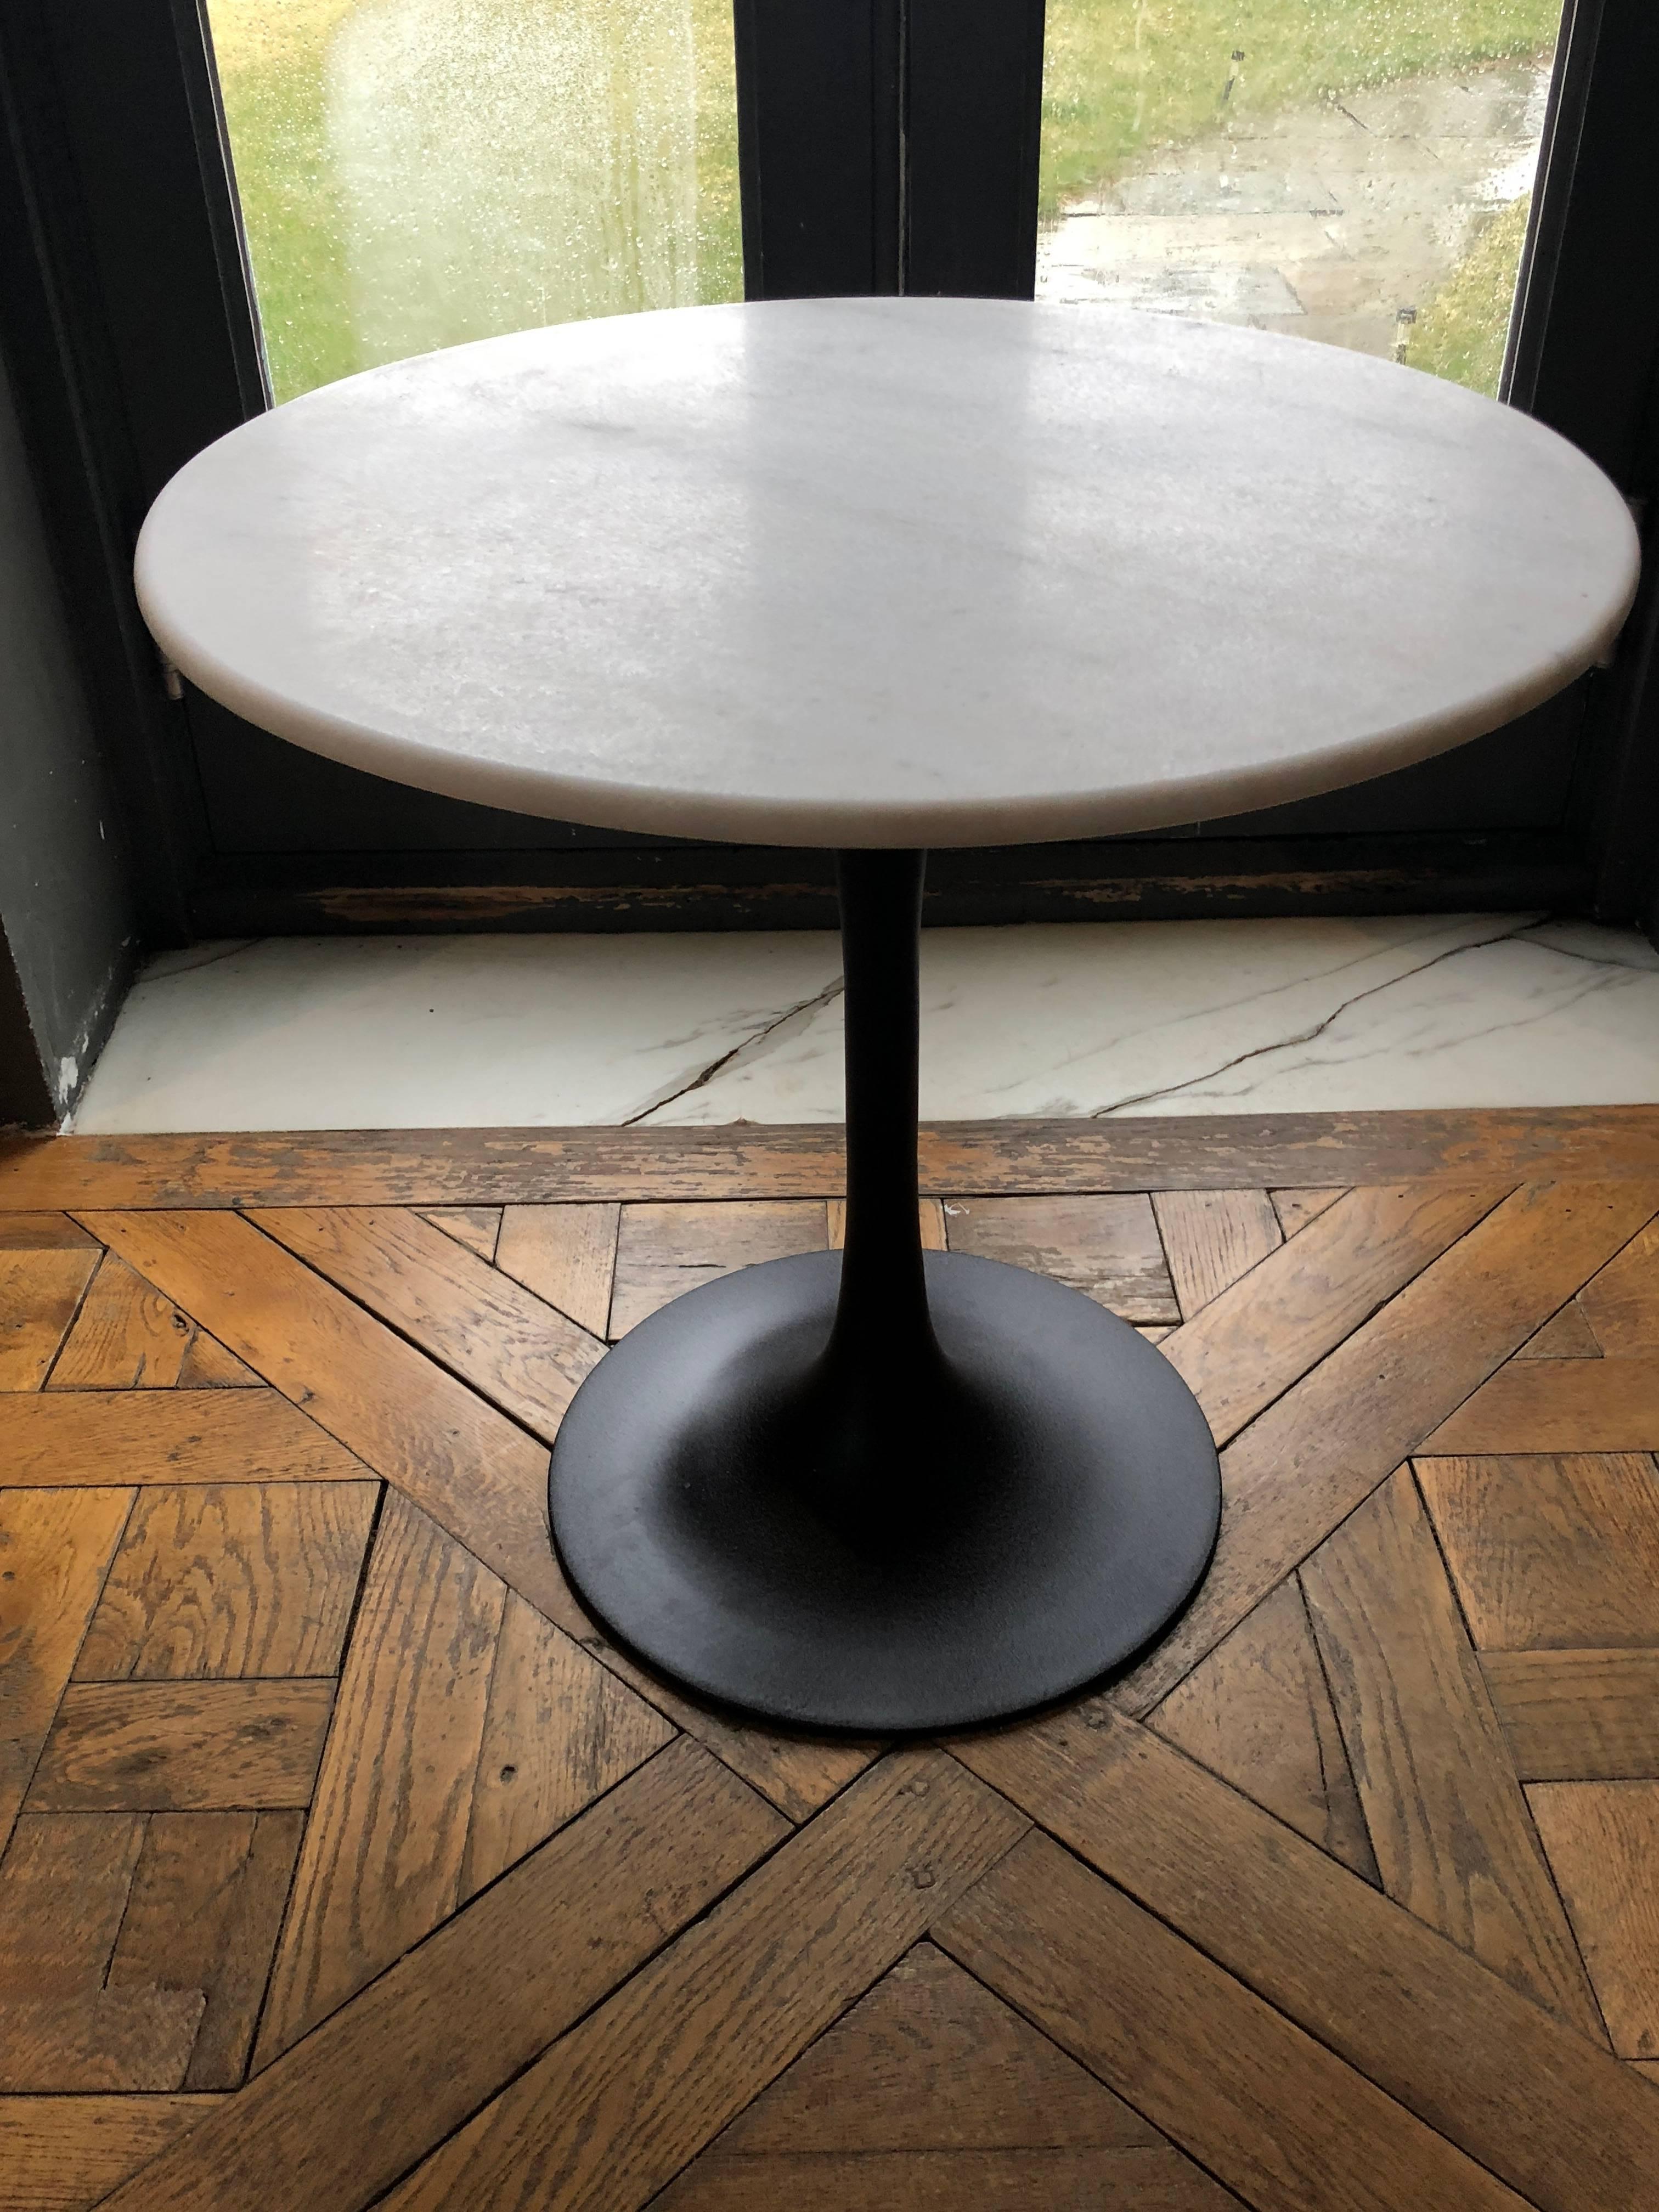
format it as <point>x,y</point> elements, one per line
<point>886,572</point>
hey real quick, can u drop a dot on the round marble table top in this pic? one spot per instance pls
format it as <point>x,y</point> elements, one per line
<point>886,572</point>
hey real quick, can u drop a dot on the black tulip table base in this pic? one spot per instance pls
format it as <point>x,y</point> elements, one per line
<point>884,1490</point>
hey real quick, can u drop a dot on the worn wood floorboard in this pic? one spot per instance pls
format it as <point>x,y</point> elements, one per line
<point>615,2108</point>
<point>477,1227</point>
<point>1212,1238</point>
<point>479,1476</point>
<point>520,1353</point>
<point>1297,1208</point>
<point>346,1862</point>
<point>83,2041</point>
<point>1257,1337</point>
<point>353,2105</point>
<point>55,1550</point>
<point>54,1857</point>
<point>1269,2110</point>
<point>1567,1336</point>
<point>1602,1838</point>
<point>43,1232</point>
<point>126,1336</point>
<point>206,1903</point>
<point>170,1436</point>
<point>1157,2179</point>
<point>381,1861</point>
<point>1258,1712</point>
<point>1301,1469</point>
<point>1620,1305</point>
<point>223,1579</point>
<point>429,1168</point>
<point>179,1746</point>
<point>61,2154</point>
<point>1448,1822</point>
<point>1548,2110</point>
<point>664,1250</point>
<point>1558,1405</point>
<point>1550,1551</point>
<point>566,1255</point>
<point>1106,1247</point>
<point>1577,1715</point>
<point>932,2091</point>
<point>41,1293</point>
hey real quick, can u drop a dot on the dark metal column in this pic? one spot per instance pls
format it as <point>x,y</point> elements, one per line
<point>881,1321</point>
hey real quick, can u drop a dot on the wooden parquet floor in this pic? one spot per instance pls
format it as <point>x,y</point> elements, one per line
<point>346,1864</point>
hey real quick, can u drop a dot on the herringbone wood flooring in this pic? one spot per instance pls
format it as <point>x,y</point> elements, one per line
<point>347,1865</point>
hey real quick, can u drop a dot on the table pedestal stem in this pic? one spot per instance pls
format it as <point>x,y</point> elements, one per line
<point>882,1348</point>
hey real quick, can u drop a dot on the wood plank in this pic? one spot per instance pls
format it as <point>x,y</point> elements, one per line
<point>157,1436</point>
<point>1297,1208</point>
<point>223,1579</point>
<point>1621,1303</point>
<point>64,1882</point>
<point>429,1168</point>
<point>1107,1246</point>
<point>614,2109</point>
<point>472,1470</point>
<point>930,2061</point>
<point>1602,1840</point>
<point>338,2118</point>
<point>476,1473</point>
<point>1268,2110</point>
<point>63,2154</point>
<point>567,1255</point>
<point>1304,1465</point>
<point>207,1901</point>
<point>1152,2179</point>
<point>42,1232</point>
<point>1558,1405</point>
<point>1252,1341</point>
<point>126,1335</point>
<point>559,1731</point>
<point>97,2039</point>
<point>477,1227</point>
<point>381,1861</point>
<point>662,1250</point>
<point>1448,1822</point>
<point>55,1549</point>
<point>1577,1715</point>
<point>182,1747</point>
<point>1258,1712</point>
<point>930,1213</point>
<point>1549,1550</point>
<point>208,1366</point>
<point>1212,1237</point>
<point>1567,1336</point>
<point>796,1773</point>
<point>39,1292</point>
<point>1550,2112</point>
<point>513,1349</point>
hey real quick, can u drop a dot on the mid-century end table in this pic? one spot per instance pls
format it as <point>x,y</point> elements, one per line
<point>878,575</point>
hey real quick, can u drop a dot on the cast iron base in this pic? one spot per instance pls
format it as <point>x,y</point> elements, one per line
<point>1026,1513</point>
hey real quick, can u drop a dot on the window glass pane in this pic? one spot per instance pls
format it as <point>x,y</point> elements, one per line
<point>1357,171</point>
<point>417,172</point>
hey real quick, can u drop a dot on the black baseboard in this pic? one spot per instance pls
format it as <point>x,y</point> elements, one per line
<point>688,887</point>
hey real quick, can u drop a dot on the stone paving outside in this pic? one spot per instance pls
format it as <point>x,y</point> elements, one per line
<point>1338,220</point>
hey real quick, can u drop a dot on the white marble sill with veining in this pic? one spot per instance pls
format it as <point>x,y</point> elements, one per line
<point>1075,1019</point>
